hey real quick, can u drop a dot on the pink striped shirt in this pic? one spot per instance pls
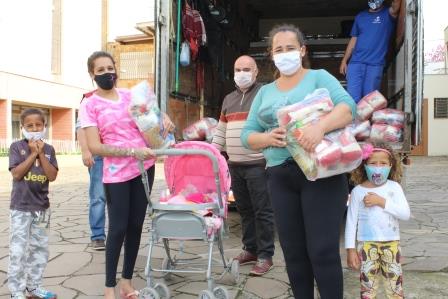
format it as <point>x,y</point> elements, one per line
<point>115,128</point>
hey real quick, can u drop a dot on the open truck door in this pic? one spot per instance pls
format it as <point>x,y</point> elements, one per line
<point>414,71</point>
<point>327,24</point>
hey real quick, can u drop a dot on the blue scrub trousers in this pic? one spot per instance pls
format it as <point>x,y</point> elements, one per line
<point>363,79</point>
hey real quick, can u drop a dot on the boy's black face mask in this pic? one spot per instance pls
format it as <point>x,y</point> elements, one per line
<point>106,81</point>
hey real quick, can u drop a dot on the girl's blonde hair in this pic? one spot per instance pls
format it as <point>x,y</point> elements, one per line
<point>358,176</point>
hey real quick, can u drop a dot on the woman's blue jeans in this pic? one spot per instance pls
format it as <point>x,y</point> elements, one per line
<point>97,204</point>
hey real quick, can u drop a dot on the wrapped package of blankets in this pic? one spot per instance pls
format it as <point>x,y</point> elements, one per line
<point>201,130</point>
<point>370,103</point>
<point>146,114</point>
<point>392,117</point>
<point>311,108</point>
<point>337,153</point>
<point>361,130</point>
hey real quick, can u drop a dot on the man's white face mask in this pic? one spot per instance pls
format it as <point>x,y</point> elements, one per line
<point>243,79</point>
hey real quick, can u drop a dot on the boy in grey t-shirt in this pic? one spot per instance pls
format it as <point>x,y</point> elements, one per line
<point>32,164</point>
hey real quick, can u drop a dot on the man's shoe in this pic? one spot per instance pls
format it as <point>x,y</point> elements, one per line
<point>262,267</point>
<point>245,257</point>
<point>98,245</point>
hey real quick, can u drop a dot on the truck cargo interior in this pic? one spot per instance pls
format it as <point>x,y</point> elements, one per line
<point>236,27</point>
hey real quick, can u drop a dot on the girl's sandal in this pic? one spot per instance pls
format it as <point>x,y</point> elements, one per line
<point>132,295</point>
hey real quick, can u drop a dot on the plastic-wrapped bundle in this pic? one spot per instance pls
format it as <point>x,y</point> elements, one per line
<point>361,130</point>
<point>386,133</point>
<point>147,116</point>
<point>370,103</point>
<point>337,153</point>
<point>315,105</point>
<point>389,116</point>
<point>203,129</point>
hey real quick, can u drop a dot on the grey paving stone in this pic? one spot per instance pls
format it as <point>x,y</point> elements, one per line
<point>424,240</point>
<point>67,264</point>
<point>265,288</point>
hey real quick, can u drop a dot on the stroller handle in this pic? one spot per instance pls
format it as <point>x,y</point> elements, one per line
<point>181,152</point>
<point>178,152</point>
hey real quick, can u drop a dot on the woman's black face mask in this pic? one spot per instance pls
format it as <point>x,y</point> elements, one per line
<point>106,81</point>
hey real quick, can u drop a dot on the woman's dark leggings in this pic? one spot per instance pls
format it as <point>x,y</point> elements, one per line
<point>126,208</point>
<point>308,218</point>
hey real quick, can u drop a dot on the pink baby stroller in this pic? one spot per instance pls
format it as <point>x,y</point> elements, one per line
<point>198,164</point>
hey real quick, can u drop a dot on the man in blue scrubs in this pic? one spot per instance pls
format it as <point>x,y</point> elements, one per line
<point>368,46</point>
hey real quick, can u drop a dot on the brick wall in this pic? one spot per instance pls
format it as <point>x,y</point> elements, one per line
<point>61,124</point>
<point>3,121</point>
<point>182,114</point>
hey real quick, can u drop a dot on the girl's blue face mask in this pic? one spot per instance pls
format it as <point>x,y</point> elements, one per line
<point>377,174</point>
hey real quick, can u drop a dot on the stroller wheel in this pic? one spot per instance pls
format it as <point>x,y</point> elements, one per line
<point>148,293</point>
<point>166,265</point>
<point>221,293</point>
<point>235,270</point>
<point>162,290</point>
<point>206,294</point>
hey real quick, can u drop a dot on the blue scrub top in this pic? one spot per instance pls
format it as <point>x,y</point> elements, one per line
<point>373,31</point>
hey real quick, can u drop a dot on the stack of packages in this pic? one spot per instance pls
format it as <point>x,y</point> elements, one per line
<point>386,124</point>
<point>203,129</point>
<point>337,153</point>
<point>147,116</point>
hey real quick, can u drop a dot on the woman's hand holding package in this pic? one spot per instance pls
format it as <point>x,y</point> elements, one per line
<point>168,125</point>
<point>276,137</point>
<point>311,136</point>
<point>143,153</point>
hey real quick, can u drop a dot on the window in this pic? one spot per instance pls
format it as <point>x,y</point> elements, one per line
<point>135,65</point>
<point>440,107</point>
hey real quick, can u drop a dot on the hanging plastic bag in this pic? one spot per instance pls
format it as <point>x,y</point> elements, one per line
<point>147,116</point>
<point>184,58</point>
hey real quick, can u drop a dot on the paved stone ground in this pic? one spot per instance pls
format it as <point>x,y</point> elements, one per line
<point>75,271</point>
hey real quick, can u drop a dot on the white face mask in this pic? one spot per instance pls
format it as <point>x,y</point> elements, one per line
<point>33,136</point>
<point>243,79</point>
<point>288,63</point>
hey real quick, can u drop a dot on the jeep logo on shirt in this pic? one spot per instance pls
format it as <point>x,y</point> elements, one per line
<point>35,177</point>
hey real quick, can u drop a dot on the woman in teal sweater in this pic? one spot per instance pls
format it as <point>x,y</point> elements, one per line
<point>307,214</point>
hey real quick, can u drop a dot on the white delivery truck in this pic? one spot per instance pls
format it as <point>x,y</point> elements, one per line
<point>235,27</point>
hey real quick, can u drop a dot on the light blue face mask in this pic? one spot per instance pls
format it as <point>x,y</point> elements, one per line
<point>377,174</point>
<point>375,4</point>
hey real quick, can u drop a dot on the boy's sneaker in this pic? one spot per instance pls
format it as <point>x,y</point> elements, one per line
<point>98,245</point>
<point>262,267</point>
<point>41,293</point>
<point>19,295</point>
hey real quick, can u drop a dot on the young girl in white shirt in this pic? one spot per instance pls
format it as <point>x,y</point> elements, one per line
<point>376,205</point>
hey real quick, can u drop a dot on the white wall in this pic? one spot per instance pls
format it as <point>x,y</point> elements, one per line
<point>26,37</point>
<point>25,34</point>
<point>436,86</point>
<point>123,15</point>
